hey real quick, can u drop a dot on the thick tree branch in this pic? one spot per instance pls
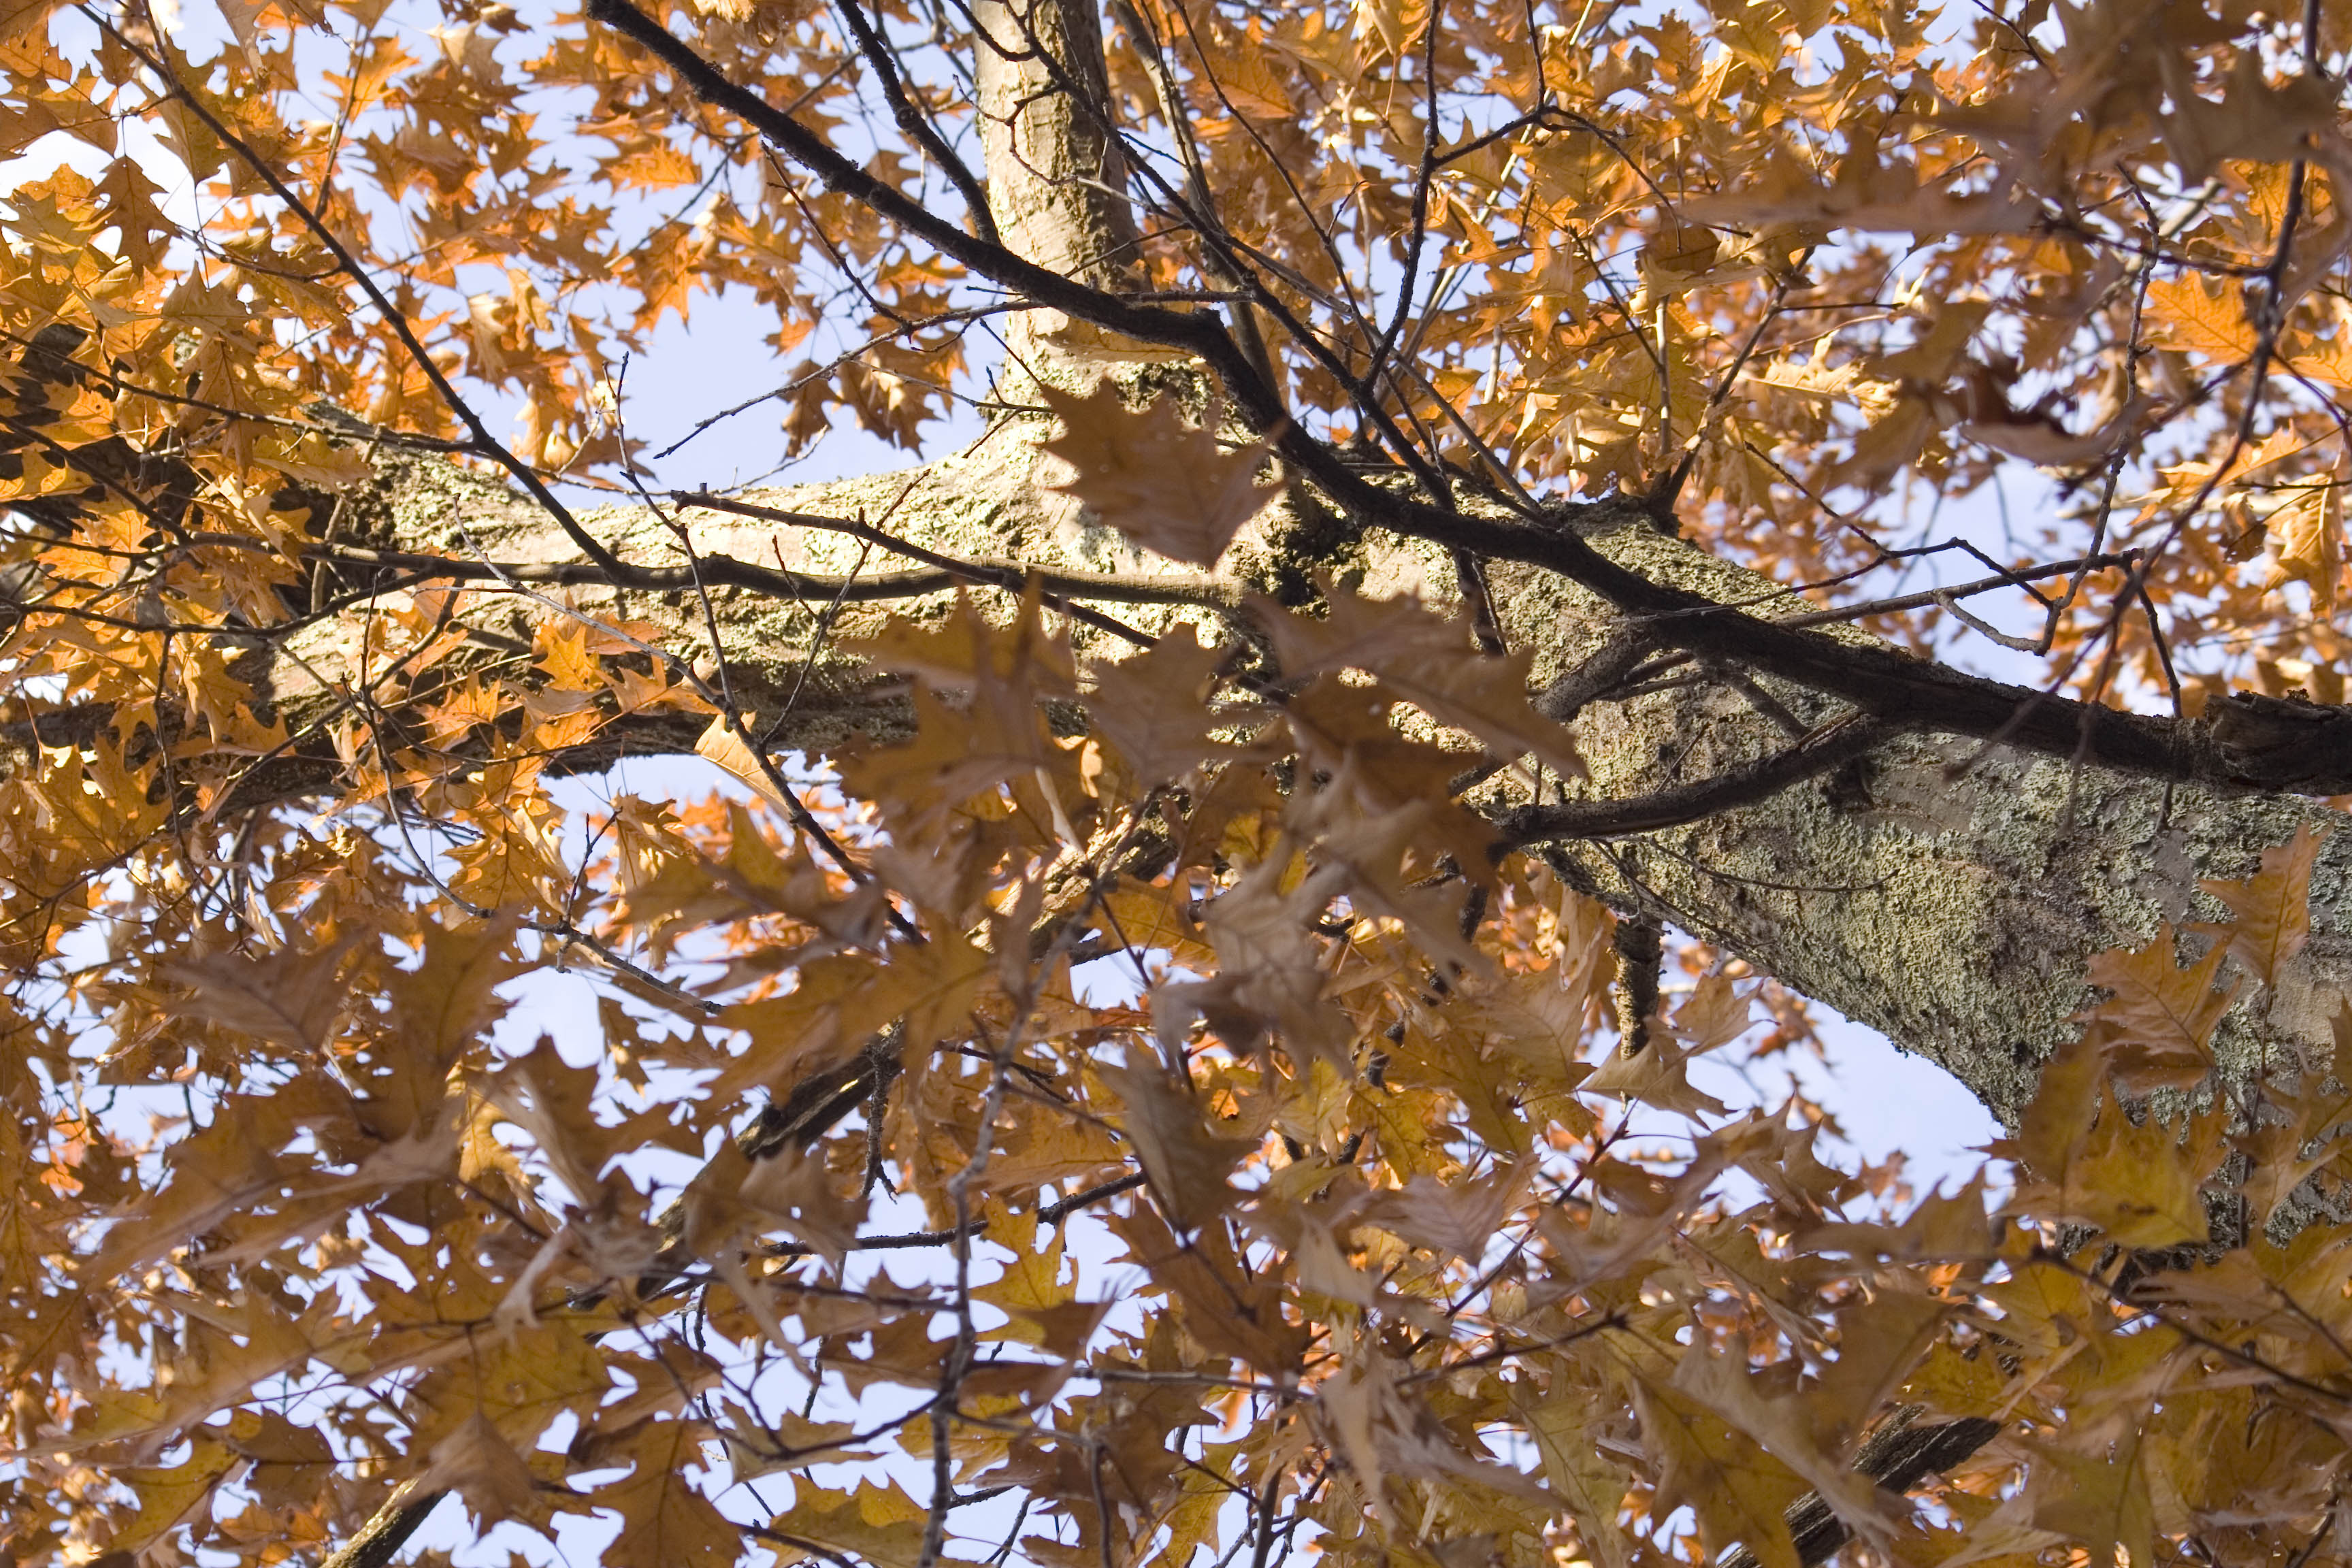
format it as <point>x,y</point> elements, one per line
<point>2251,747</point>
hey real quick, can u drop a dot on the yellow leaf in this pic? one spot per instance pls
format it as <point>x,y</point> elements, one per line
<point>1738,1491</point>
<point>1153,920</point>
<point>2139,1184</point>
<point>788,1189</point>
<point>1805,1434</point>
<point>721,743</point>
<point>2307,539</point>
<point>1712,1016</point>
<point>2100,1497</point>
<point>2312,1136</point>
<point>563,654</point>
<point>2211,323</point>
<point>880,1525</point>
<point>551,1100</point>
<point>168,1495</point>
<point>1031,1288</point>
<point>1590,1481</point>
<point>291,1463</point>
<point>520,1382</point>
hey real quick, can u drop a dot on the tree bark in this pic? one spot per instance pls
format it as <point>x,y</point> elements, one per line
<point>1947,892</point>
<point>1944,890</point>
<point>1051,166</point>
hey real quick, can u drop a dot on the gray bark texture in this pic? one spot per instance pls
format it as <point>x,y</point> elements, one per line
<point>1945,891</point>
<point>1942,890</point>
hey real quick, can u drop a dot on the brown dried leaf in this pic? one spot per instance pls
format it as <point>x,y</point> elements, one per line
<point>2271,910</point>
<point>2156,1027</point>
<point>478,1464</point>
<point>293,999</point>
<point>1187,1163</point>
<point>666,1521</point>
<point>1169,486</point>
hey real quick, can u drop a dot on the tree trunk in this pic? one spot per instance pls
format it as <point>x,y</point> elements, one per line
<point>1050,166</point>
<point>1944,892</point>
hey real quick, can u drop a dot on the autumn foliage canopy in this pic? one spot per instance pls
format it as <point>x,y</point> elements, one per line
<point>1449,567</point>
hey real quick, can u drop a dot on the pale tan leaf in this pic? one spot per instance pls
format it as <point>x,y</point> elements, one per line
<point>292,999</point>
<point>1169,486</point>
<point>478,1464</point>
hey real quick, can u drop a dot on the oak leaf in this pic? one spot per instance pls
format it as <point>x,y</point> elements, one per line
<point>805,1199</point>
<point>2139,1182</point>
<point>666,1521</point>
<point>1431,661</point>
<point>1168,485</point>
<point>520,1381</point>
<point>1452,1219</point>
<point>2209,320</point>
<point>169,1495</point>
<point>2097,1491</point>
<point>2307,538</point>
<point>553,1102</point>
<point>1187,1163</point>
<point>787,1440</point>
<point>1154,706</point>
<point>1807,1435</point>
<point>1590,1481</point>
<point>478,1463</point>
<point>2156,1026</point>
<point>1658,1074</point>
<point>289,1463</point>
<point>720,743</point>
<point>289,999</point>
<point>2271,910</point>
<point>877,1524</point>
<point>1739,1492</point>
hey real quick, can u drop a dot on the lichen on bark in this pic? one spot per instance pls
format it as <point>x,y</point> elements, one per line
<point>1945,891</point>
